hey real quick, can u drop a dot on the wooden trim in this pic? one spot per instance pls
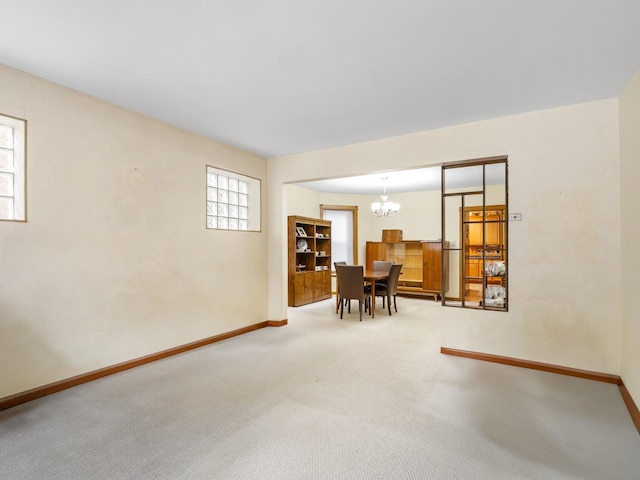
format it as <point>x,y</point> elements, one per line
<point>544,367</point>
<point>354,210</point>
<point>277,323</point>
<point>38,392</point>
<point>631,405</point>
<point>477,161</point>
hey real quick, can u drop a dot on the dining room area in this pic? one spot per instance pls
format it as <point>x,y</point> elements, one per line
<point>353,282</point>
<point>314,276</point>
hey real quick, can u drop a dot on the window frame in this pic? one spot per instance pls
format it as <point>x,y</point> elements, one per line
<point>19,150</point>
<point>254,201</point>
<point>354,217</point>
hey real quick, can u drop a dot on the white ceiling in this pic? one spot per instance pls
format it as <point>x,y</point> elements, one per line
<point>279,77</point>
<point>415,180</point>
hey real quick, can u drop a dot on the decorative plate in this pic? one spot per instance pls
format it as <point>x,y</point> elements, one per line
<point>302,244</point>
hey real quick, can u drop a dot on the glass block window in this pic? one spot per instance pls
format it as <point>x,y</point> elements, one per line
<point>233,201</point>
<point>12,168</point>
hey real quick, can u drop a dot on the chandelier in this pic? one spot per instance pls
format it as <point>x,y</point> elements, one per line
<point>385,208</point>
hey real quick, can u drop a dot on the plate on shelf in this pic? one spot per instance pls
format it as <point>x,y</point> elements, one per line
<point>301,244</point>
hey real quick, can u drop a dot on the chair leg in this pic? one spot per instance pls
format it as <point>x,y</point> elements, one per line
<point>389,304</point>
<point>394,303</point>
<point>341,308</point>
<point>360,308</point>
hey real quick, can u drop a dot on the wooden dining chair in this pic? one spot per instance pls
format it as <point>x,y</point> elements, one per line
<point>381,266</point>
<point>351,287</point>
<point>335,264</point>
<point>390,289</point>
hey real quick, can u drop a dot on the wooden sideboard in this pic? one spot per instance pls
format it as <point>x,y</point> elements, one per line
<point>422,264</point>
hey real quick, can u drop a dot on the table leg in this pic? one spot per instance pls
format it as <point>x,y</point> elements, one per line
<point>373,299</point>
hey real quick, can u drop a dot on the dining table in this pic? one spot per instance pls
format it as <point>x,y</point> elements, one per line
<point>373,276</point>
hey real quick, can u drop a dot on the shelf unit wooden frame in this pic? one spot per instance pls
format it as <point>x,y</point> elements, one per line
<point>309,268</point>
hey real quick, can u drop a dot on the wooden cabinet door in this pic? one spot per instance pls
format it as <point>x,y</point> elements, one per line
<point>473,268</point>
<point>492,232</point>
<point>432,266</point>
<point>304,288</point>
<point>374,251</point>
<point>474,234</point>
<point>322,285</point>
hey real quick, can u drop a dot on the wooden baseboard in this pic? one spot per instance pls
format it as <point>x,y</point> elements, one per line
<point>544,367</point>
<point>547,367</point>
<point>277,323</point>
<point>38,392</point>
<point>631,405</point>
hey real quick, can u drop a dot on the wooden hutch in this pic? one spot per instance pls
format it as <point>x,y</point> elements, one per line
<point>309,260</point>
<point>421,259</point>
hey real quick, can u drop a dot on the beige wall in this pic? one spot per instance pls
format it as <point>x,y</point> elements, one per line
<point>302,201</point>
<point>629,200</point>
<point>564,257</point>
<point>419,216</point>
<point>114,261</point>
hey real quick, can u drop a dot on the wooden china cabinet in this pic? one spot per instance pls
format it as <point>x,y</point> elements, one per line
<point>309,260</point>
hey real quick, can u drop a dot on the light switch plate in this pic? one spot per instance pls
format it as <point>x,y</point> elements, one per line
<point>515,217</point>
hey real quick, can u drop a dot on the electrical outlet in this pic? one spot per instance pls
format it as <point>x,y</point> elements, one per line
<point>515,217</point>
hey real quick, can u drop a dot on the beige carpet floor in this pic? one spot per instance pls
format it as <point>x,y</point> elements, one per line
<point>324,398</point>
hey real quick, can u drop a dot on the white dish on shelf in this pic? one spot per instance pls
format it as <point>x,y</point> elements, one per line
<point>301,244</point>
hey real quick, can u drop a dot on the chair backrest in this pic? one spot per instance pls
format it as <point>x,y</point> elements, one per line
<point>335,264</point>
<point>350,281</point>
<point>381,266</point>
<point>394,275</point>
